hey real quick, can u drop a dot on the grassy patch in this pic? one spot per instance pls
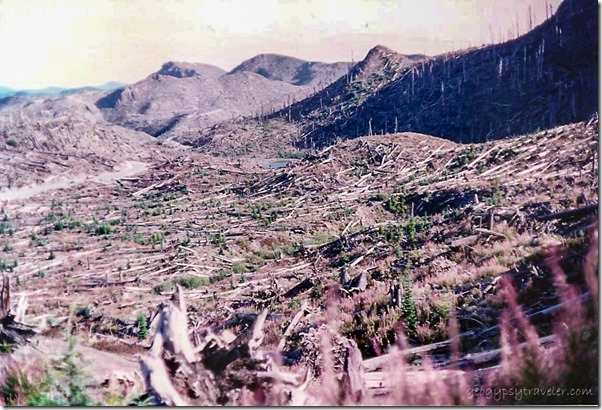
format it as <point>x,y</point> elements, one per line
<point>187,282</point>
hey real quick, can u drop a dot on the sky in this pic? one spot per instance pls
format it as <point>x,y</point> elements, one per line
<point>72,43</point>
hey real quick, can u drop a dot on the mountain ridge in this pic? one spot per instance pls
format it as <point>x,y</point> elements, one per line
<point>195,96</point>
<point>539,80</point>
<point>292,70</point>
<point>108,86</point>
<point>380,66</point>
<point>181,69</point>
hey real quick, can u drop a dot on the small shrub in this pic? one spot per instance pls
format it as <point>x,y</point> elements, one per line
<point>317,291</point>
<point>408,311</point>
<point>142,327</point>
<point>103,229</point>
<point>187,282</point>
<point>192,282</point>
<point>64,388</point>
<point>396,205</point>
<point>239,267</point>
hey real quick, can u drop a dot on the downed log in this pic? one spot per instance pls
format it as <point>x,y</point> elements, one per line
<point>543,314</point>
<point>245,319</point>
<point>490,232</point>
<point>227,170</point>
<point>376,363</point>
<point>292,325</point>
<point>467,241</point>
<point>361,257</point>
<point>151,187</point>
<point>302,286</point>
<point>572,213</point>
<point>491,357</point>
<point>381,383</point>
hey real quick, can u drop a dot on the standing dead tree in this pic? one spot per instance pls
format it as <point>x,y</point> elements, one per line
<point>12,331</point>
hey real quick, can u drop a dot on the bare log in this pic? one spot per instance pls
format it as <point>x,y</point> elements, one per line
<point>490,232</point>
<point>378,362</point>
<point>292,325</point>
<point>469,240</point>
<point>151,187</point>
<point>572,213</point>
<point>302,286</point>
<point>491,357</point>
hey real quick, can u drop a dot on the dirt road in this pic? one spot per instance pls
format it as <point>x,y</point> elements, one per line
<point>126,169</point>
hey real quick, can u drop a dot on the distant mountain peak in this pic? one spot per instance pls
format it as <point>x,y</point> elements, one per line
<point>292,70</point>
<point>380,50</point>
<point>381,57</point>
<point>180,69</point>
<point>263,59</point>
<point>270,66</point>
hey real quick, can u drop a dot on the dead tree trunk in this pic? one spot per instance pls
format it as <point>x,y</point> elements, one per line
<point>4,297</point>
<point>354,384</point>
<point>12,331</point>
<point>215,371</point>
<point>395,291</point>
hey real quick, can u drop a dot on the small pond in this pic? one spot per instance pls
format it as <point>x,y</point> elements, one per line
<point>277,164</point>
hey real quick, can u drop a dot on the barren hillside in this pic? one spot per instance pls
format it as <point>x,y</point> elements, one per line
<point>294,70</point>
<point>417,231</point>
<point>292,124</point>
<point>327,236</point>
<point>42,137</point>
<point>183,98</point>
<point>542,79</point>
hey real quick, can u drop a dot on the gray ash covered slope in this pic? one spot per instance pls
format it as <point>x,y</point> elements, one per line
<point>545,78</point>
<point>58,135</point>
<point>63,124</point>
<point>184,98</point>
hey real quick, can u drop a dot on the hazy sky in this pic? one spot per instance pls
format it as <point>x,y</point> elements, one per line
<point>86,42</point>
